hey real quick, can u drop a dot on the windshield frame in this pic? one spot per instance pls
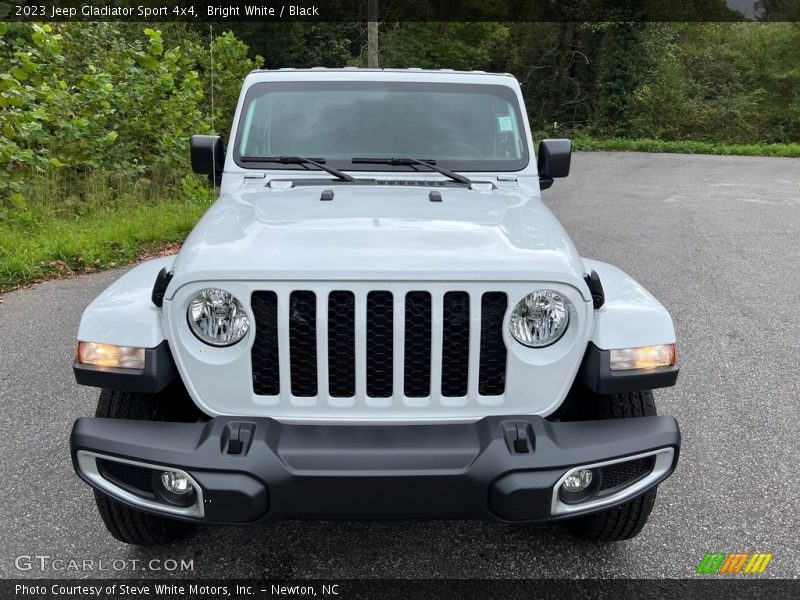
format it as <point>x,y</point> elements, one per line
<point>506,93</point>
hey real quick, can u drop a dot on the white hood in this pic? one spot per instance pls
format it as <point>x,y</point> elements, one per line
<point>378,233</point>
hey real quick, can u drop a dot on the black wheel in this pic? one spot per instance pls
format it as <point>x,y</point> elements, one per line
<point>124,523</point>
<point>625,521</point>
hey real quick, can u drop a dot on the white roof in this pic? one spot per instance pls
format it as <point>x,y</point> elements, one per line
<point>359,74</point>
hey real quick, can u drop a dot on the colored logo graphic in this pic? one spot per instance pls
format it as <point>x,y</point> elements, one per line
<point>734,562</point>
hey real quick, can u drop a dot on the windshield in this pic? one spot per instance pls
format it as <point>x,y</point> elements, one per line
<point>463,127</point>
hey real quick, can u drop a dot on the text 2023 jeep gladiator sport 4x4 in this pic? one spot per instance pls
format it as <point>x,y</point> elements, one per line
<point>377,319</point>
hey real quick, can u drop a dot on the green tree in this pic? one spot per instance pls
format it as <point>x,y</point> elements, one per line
<point>302,45</point>
<point>463,46</point>
<point>128,109</point>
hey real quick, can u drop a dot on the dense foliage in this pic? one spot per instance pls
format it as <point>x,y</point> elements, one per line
<point>88,97</point>
<point>716,82</point>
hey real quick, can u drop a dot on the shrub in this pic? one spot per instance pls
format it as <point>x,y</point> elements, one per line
<point>83,97</point>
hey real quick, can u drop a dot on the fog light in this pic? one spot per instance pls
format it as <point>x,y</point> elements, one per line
<point>577,481</point>
<point>175,483</point>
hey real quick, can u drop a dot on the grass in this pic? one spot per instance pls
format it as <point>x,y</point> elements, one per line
<point>101,223</point>
<point>685,147</point>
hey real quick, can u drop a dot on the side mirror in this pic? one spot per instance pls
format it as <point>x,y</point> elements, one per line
<point>208,156</point>
<point>553,161</point>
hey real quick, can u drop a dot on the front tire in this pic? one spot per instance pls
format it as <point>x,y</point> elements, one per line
<point>127,524</point>
<point>139,528</point>
<point>627,520</point>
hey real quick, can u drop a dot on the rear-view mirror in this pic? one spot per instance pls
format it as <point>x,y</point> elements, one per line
<point>208,156</point>
<point>554,158</point>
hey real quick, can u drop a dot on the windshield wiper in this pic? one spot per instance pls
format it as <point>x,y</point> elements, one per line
<point>299,160</point>
<point>430,163</point>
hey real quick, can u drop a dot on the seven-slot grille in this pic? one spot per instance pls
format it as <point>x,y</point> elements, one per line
<point>439,332</point>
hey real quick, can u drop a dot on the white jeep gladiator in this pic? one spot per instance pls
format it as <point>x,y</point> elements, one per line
<point>377,319</point>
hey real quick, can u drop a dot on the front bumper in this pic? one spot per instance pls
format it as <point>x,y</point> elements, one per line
<point>257,469</point>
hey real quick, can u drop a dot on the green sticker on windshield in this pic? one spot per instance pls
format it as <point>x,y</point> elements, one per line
<point>504,123</point>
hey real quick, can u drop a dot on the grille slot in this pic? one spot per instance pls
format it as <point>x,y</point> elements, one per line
<point>625,473</point>
<point>492,371</point>
<point>303,343</point>
<point>380,344</point>
<point>264,355</point>
<point>342,344</point>
<point>455,344</point>
<point>417,362</point>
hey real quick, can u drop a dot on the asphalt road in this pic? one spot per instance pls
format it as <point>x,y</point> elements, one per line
<point>716,239</point>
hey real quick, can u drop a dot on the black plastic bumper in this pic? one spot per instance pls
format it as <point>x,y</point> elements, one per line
<point>499,468</point>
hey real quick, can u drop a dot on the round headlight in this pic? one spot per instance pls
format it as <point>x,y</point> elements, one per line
<point>217,318</point>
<point>540,319</point>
